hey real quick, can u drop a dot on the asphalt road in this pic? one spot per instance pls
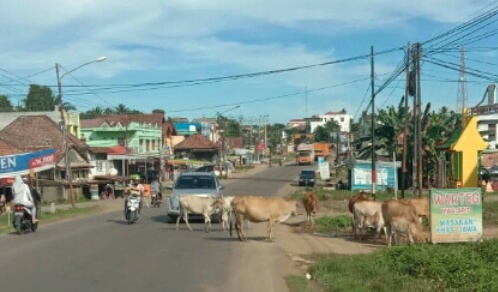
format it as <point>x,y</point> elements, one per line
<point>103,253</point>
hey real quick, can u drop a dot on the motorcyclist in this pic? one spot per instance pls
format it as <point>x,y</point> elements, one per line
<point>22,195</point>
<point>135,188</point>
<point>155,189</point>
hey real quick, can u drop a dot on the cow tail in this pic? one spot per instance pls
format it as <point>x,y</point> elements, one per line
<point>230,220</point>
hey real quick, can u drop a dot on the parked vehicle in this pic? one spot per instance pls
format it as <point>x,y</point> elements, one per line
<point>197,184</point>
<point>22,220</point>
<point>322,149</point>
<point>305,154</point>
<point>307,177</point>
<point>132,206</point>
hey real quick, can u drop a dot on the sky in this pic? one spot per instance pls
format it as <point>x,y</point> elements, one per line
<point>151,44</point>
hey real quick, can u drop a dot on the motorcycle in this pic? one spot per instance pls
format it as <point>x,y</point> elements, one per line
<point>156,200</point>
<point>132,206</point>
<point>22,220</point>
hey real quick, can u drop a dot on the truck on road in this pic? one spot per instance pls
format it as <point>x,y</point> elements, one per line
<point>322,149</point>
<point>305,154</point>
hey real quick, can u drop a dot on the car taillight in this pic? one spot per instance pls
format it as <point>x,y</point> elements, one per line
<point>18,208</point>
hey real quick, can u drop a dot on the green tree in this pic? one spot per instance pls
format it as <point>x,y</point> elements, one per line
<point>109,111</point>
<point>5,105</point>
<point>39,98</point>
<point>92,113</point>
<point>321,134</point>
<point>158,111</point>
<point>121,109</point>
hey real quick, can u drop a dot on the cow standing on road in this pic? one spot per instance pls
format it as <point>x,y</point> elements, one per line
<point>261,209</point>
<point>199,205</point>
<point>310,203</point>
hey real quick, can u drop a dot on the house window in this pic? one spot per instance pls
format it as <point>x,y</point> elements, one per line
<point>140,146</point>
<point>153,145</point>
<point>121,142</point>
<point>147,145</point>
<point>492,132</point>
<point>99,166</point>
<point>342,119</point>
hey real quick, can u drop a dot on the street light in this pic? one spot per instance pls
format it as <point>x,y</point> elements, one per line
<point>64,126</point>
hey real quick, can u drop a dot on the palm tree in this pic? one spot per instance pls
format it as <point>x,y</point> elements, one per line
<point>389,125</point>
<point>109,111</point>
<point>121,109</point>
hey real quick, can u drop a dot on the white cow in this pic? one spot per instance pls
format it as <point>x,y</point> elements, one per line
<point>225,214</point>
<point>205,206</point>
<point>368,214</point>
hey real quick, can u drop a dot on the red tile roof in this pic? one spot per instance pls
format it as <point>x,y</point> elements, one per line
<point>31,133</point>
<point>100,150</point>
<point>335,113</point>
<point>168,129</point>
<point>7,149</point>
<point>124,119</point>
<point>235,142</point>
<point>196,141</point>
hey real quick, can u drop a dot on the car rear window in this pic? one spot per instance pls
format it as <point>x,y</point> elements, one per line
<point>195,182</point>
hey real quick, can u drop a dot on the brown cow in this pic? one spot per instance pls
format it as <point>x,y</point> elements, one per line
<point>310,203</point>
<point>421,205</point>
<point>260,209</point>
<point>400,224</point>
<point>362,196</point>
<point>397,208</point>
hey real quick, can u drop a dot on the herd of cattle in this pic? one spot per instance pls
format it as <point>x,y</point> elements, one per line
<point>394,217</point>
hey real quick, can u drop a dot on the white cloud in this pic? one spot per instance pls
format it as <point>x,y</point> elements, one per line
<point>179,36</point>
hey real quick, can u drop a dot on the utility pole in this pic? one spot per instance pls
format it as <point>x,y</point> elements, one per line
<point>405,127</point>
<point>372,78</point>
<point>462,98</point>
<point>419,124</point>
<point>415,132</point>
<point>337,147</point>
<point>64,138</point>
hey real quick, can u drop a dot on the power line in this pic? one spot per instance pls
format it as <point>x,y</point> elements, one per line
<point>90,90</point>
<point>270,98</point>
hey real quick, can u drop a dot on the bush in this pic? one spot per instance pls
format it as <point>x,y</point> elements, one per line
<point>442,267</point>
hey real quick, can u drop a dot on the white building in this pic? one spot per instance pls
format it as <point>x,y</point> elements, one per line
<point>342,118</point>
<point>487,116</point>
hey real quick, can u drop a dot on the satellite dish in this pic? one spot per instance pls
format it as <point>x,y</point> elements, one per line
<point>113,171</point>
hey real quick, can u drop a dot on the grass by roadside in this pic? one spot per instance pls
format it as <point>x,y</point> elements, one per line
<point>47,217</point>
<point>442,267</point>
<point>338,223</point>
<point>298,284</point>
<point>490,213</point>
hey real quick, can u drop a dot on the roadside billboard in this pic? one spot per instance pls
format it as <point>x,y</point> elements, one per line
<point>25,163</point>
<point>456,215</point>
<point>323,167</point>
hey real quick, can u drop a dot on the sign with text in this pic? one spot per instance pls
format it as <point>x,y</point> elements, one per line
<point>21,164</point>
<point>323,167</point>
<point>456,215</point>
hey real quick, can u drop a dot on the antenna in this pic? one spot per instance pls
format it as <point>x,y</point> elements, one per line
<point>462,98</point>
